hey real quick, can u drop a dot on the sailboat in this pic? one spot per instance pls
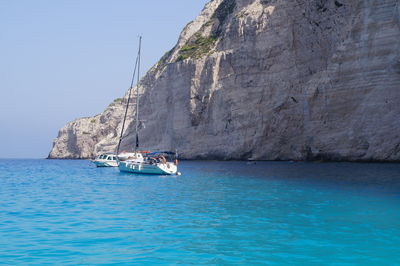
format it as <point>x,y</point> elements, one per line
<point>140,162</point>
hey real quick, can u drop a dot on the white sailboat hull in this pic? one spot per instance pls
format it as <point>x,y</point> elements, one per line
<point>150,169</point>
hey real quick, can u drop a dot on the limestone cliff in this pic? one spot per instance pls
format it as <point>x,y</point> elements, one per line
<point>267,79</point>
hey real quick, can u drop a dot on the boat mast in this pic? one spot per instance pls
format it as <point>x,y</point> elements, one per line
<point>137,96</point>
<point>137,62</point>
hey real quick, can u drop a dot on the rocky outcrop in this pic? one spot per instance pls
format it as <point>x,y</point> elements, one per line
<point>270,80</point>
<point>87,136</point>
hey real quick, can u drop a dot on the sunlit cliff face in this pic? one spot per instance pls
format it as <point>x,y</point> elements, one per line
<point>273,80</point>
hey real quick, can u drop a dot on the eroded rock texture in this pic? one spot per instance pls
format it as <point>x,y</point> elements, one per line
<point>267,79</point>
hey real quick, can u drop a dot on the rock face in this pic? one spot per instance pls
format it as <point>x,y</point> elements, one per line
<point>270,80</point>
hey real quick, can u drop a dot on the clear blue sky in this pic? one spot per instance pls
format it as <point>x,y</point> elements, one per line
<point>65,59</point>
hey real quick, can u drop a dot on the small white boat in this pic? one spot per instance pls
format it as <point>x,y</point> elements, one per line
<point>154,164</point>
<point>106,160</point>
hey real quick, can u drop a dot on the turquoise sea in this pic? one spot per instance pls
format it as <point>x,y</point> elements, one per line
<point>215,213</point>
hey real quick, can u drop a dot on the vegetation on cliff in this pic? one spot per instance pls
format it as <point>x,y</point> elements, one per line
<point>202,44</point>
<point>197,48</point>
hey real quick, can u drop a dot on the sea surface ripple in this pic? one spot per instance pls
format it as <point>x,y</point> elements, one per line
<point>215,213</point>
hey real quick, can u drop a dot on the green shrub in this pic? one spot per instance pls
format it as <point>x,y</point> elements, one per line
<point>198,45</point>
<point>197,48</point>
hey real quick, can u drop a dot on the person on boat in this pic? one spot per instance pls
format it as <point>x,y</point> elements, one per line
<point>163,160</point>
